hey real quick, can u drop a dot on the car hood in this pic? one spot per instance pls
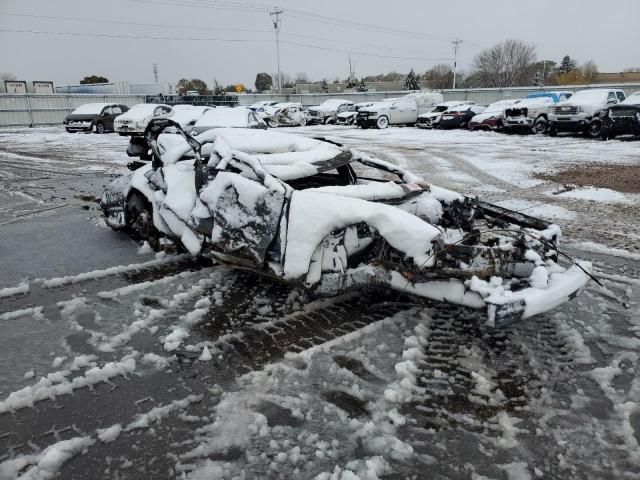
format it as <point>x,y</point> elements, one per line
<point>134,118</point>
<point>481,117</point>
<point>80,117</point>
<point>431,114</point>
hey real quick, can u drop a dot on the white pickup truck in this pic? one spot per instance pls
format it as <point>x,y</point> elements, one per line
<point>575,114</point>
<point>397,111</point>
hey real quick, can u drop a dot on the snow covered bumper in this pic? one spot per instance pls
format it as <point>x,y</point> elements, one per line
<point>569,123</point>
<point>503,306</point>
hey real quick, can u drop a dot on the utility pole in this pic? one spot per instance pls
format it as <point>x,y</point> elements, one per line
<point>456,43</point>
<point>350,71</point>
<point>155,72</point>
<point>276,12</point>
<point>544,70</point>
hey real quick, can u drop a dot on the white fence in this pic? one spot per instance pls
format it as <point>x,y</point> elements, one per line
<point>37,110</point>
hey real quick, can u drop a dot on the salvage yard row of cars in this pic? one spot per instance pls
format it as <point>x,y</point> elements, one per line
<point>595,113</point>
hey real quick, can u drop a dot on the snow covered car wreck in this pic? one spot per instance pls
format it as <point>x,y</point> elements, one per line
<point>293,208</point>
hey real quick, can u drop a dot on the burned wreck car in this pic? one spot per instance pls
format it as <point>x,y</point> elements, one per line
<point>294,209</point>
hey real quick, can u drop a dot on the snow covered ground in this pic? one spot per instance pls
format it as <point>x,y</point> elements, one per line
<point>118,363</point>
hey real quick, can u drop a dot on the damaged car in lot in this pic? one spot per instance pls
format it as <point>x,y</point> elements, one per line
<point>292,208</point>
<point>285,115</point>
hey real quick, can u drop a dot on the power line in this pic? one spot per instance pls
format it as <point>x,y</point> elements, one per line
<point>295,13</point>
<point>140,37</point>
<point>364,54</point>
<point>136,24</point>
<point>213,39</point>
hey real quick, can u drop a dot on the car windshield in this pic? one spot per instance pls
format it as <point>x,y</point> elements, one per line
<point>440,108</point>
<point>89,109</point>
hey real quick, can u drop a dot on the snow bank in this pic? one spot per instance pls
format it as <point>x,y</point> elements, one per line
<point>56,384</point>
<point>44,465</point>
<point>20,289</point>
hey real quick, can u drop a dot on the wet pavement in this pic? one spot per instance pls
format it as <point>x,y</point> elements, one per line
<point>118,364</point>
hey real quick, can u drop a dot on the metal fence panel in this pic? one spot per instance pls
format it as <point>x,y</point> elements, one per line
<point>26,110</point>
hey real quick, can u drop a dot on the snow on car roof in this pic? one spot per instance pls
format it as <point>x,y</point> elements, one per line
<point>225,117</point>
<point>591,94</point>
<point>145,107</point>
<point>90,108</point>
<point>333,103</point>
<point>633,99</point>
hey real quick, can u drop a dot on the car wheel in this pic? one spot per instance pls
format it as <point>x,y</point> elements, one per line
<point>540,127</point>
<point>100,127</point>
<point>140,220</point>
<point>303,122</point>
<point>382,123</point>
<point>594,128</point>
<point>329,121</point>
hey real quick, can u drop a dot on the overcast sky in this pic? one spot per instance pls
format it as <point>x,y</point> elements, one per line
<point>418,35</point>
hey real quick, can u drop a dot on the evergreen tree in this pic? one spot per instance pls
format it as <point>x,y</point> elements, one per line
<point>217,88</point>
<point>361,86</point>
<point>537,80</point>
<point>567,65</point>
<point>324,87</point>
<point>411,81</point>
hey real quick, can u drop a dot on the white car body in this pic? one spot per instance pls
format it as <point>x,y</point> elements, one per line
<point>237,117</point>
<point>349,117</point>
<point>285,114</point>
<point>533,113</point>
<point>576,113</point>
<point>432,117</point>
<point>136,119</point>
<point>187,115</point>
<point>397,111</point>
<point>633,99</point>
<point>328,110</point>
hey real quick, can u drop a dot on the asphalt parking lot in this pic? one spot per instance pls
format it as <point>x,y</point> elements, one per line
<point>268,380</point>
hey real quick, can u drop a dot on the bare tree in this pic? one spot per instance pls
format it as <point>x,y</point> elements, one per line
<point>589,71</point>
<point>302,77</point>
<point>631,70</point>
<point>8,76</point>
<point>506,64</point>
<point>439,76</point>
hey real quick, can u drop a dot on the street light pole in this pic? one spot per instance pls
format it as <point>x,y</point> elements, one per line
<point>276,12</point>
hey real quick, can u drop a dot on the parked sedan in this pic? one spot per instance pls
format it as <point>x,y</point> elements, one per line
<point>459,117</point>
<point>138,117</point>
<point>492,118</point>
<point>348,117</point>
<point>432,117</point>
<point>93,116</point>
